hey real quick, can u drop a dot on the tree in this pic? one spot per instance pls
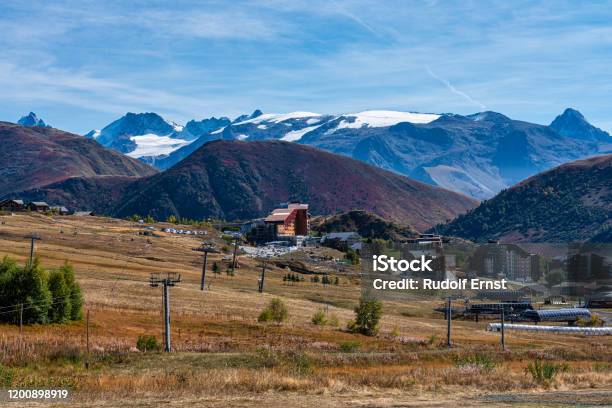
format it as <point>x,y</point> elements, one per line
<point>25,286</point>
<point>149,220</point>
<point>76,297</point>
<point>172,219</point>
<point>60,295</point>
<point>46,297</point>
<point>554,277</point>
<point>367,317</point>
<point>352,256</point>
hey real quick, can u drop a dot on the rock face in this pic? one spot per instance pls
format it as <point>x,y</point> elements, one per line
<point>36,156</point>
<point>572,202</point>
<point>242,180</point>
<point>31,120</point>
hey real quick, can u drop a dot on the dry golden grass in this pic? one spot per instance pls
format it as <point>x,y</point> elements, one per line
<point>223,351</point>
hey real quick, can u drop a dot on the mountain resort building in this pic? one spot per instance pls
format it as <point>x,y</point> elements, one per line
<point>290,221</point>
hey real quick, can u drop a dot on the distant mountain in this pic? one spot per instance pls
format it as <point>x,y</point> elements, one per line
<point>572,124</point>
<point>367,224</point>
<point>572,202</point>
<point>32,157</point>
<point>477,155</point>
<point>31,120</point>
<point>239,180</point>
<point>150,138</point>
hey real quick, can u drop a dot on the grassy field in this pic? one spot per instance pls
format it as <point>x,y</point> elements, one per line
<point>224,357</point>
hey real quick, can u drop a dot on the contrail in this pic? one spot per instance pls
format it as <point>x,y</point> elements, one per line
<point>356,19</point>
<point>455,90</point>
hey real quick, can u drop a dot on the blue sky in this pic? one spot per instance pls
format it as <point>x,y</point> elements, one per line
<point>81,64</point>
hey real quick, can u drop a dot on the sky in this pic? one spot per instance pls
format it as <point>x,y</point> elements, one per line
<point>82,64</point>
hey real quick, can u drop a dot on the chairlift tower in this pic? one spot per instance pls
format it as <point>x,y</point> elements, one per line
<point>167,280</point>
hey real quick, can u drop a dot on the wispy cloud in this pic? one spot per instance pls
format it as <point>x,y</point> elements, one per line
<point>455,90</point>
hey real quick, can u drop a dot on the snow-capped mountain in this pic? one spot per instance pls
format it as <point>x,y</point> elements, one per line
<point>477,155</point>
<point>31,120</point>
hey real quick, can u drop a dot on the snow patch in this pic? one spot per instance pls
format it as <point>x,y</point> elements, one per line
<point>312,121</point>
<point>379,118</point>
<point>278,117</point>
<point>296,135</point>
<point>242,137</point>
<point>262,127</point>
<point>218,131</point>
<point>96,134</point>
<point>155,145</point>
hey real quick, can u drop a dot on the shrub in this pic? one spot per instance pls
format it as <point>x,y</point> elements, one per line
<point>275,311</point>
<point>350,346</point>
<point>265,316</point>
<point>319,318</point>
<point>367,317</point>
<point>479,360</point>
<point>593,321</point>
<point>147,342</point>
<point>333,320</point>
<point>544,372</point>
<point>7,375</point>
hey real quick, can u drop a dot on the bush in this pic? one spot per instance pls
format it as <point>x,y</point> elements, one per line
<point>265,316</point>
<point>319,318</point>
<point>479,360</point>
<point>147,342</point>
<point>367,317</point>
<point>593,321</point>
<point>7,375</point>
<point>333,320</point>
<point>544,372</point>
<point>275,311</point>
<point>350,346</point>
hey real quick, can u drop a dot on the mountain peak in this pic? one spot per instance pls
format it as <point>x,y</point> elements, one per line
<point>571,123</point>
<point>31,120</point>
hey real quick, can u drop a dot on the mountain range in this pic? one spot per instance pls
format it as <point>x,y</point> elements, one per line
<point>477,155</point>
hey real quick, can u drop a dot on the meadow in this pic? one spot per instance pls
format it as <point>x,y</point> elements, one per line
<point>222,355</point>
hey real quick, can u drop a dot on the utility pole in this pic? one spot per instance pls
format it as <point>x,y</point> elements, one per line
<point>203,281</point>
<point>87,337</point>
<point>166,280</point>
<point>20,319</point>
<point>32,239</point>
<point>503,318</point>
<point>234,257</point>
<point>263,276</point>
<point>449,317</point>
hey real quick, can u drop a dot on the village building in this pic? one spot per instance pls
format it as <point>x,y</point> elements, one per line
<point>38,206</point>
<point>290,221</point>
<point>59,209</point>
<point>349,239</point>
<point>11,205</point>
